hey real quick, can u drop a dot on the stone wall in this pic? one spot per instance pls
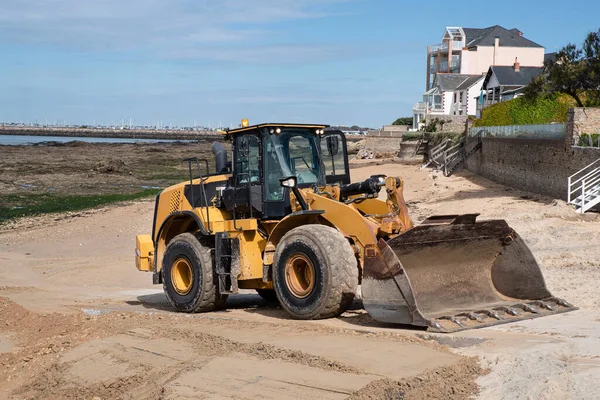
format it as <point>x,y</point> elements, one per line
<point>536,165</point>
<point>452,123</point>
<point>386,133</point>
<point>112,133</point>
<point>582,120</point>
<point>407,153</point>
<point>396,128</point>
<point>386,146</point>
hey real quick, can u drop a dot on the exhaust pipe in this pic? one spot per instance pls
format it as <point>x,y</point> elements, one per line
<point>220,153</point>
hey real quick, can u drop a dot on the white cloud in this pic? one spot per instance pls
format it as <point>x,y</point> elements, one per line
<point>131,23</point>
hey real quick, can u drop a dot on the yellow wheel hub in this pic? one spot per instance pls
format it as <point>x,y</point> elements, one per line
<point>300,275</point>
<point>182,276</point>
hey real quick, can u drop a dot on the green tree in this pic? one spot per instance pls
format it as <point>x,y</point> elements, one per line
<point>575,72</point>
<point>591,51</point>
<point>403,121</point>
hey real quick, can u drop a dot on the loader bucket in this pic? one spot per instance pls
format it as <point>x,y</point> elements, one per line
<point>452,273</point>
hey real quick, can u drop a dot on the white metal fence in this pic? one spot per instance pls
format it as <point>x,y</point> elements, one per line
<point>544,131</point>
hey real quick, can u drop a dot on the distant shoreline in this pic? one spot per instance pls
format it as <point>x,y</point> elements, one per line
<point>110,133</point>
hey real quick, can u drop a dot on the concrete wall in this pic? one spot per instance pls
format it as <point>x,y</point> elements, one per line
<point>536,165</point>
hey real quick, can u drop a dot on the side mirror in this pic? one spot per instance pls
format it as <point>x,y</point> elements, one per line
<point>289,182</point>
<point>333,145</point>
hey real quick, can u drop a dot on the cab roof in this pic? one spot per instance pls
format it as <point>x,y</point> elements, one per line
<point>275,125</point>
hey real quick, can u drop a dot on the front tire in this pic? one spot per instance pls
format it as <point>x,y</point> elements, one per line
<point>188,279</point>
<point>315,272</point>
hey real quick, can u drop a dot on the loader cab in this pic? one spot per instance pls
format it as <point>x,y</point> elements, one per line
<point>265,154</point>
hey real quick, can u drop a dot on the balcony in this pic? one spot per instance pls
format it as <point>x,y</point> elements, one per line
<point>443,47</point>
<point>454,66</point>
<point>443,67</point>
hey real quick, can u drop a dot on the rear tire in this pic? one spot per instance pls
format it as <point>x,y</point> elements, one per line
<point>315,272</point>
<point>188,279</point>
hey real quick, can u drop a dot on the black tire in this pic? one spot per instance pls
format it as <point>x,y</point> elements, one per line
<point>335,270</point>
<point>268,295</point>
<point>200,294</point>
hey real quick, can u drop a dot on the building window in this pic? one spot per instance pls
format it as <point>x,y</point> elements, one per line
<point>437,101</point>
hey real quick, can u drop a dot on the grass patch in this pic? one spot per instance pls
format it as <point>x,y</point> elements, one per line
<point>436,138</point>
<point>23,205</point>
<point>412,136</point>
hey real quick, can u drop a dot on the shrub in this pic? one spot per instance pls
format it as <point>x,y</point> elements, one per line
<point>587,140</point>
<point>431,126</point>
<point>521,111</point>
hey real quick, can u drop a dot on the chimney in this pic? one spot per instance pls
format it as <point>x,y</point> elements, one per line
<point>496,45</point>
<point>516,65</point>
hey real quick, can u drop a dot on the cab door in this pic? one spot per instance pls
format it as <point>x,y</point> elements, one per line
<point>335,157</point>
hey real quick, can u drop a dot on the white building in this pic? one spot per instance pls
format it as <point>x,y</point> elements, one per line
<point>453,94</point>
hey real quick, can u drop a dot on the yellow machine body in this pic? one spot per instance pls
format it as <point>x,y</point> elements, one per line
<point>447,274</point>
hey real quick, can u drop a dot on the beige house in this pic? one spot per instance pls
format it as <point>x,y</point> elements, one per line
<point>471,51</point>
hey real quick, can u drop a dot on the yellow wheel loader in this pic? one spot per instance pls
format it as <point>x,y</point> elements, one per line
<point>283,218</point>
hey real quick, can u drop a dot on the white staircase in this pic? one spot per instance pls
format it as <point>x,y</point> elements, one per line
<point>584,187</point>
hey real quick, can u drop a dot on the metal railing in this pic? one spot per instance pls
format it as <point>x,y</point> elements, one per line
<point>436,47</point>
<point>544,131</point>
<point>456,45</point>
<point>585,185</point>
<point>586,141</point>
<point>454,63</point>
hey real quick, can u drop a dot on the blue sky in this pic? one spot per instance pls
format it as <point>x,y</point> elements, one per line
<point>207,61</point>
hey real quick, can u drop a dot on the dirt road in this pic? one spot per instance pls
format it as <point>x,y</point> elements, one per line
<point>77,320</point>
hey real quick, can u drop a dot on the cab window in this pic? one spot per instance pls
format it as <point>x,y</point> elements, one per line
<point>247,159</point>
<point>333,156</point>
<point>302,159</point>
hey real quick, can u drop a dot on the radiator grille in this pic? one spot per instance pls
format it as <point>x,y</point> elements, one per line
<point>174,202</point>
